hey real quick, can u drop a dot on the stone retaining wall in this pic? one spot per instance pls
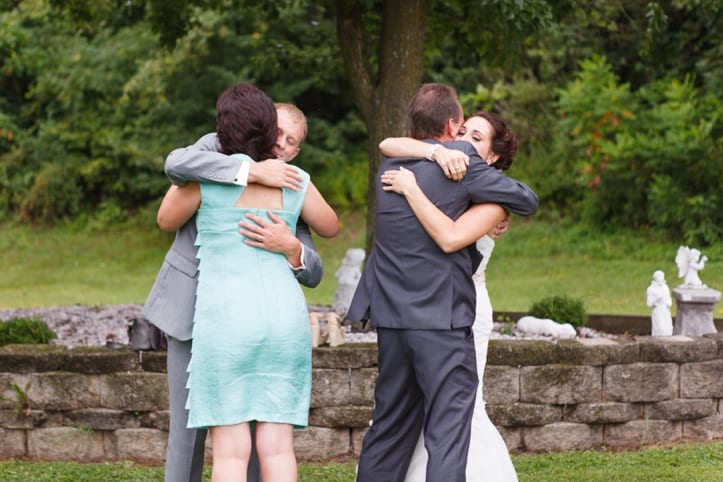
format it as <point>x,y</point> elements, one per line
<point>97,404</point>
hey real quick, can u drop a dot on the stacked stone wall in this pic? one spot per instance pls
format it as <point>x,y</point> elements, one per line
<point>97,404</point>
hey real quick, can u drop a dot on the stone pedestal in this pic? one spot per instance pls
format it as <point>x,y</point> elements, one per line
<point>694,316</point>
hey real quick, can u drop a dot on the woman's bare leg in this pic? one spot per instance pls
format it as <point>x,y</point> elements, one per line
<point>275,446</point>
<point>231,452</point>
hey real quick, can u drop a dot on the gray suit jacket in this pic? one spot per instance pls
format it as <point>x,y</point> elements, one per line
<point>408,282</point>
<point>171,303</point>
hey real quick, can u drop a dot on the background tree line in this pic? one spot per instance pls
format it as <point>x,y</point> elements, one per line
<point>618,104</point>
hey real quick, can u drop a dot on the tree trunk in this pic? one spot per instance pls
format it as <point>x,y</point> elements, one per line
<point>381,92</point>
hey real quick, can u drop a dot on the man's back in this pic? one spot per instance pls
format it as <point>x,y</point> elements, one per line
<point>416,284</point>
<point>408,281</point>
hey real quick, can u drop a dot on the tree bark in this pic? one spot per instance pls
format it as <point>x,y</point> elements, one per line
<point>382,91</point>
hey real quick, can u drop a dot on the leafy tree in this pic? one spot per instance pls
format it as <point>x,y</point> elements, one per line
<point>88,111</point>
<point>650,159</point>
<point>73,150</point>
<point>643,41</point>
<point>382,43</point>
<point>570,114</point>
<point>94,94</point>
<point>385,56</point>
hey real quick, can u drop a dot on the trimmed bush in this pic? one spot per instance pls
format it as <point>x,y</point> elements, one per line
<point>26,331</point>
<point>562,309</point>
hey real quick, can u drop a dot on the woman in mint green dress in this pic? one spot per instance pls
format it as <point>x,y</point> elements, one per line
<point>251,358</point>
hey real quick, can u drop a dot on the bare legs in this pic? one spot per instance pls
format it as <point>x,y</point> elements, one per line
<point>231,452</point>
<point>275,446</point>
<point>232,449</point>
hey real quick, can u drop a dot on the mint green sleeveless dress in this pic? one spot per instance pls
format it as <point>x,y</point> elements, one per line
<point>251,355</point>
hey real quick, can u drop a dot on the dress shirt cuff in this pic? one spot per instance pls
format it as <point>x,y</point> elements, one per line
<point>242,176</point>
<point>302,267</point>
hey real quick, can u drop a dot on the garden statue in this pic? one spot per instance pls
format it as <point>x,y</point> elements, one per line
<point>689,262</point>
<point>544,326</point>
<point>694,301</point>
<point>347,277</point>
<point>658,297</point>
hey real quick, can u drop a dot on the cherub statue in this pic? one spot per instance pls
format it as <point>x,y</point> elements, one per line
<point>658,298</point>
<point>689,262</point>
<point>347,277</point>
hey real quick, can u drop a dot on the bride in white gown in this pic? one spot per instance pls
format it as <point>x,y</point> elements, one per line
<point>488,458</point>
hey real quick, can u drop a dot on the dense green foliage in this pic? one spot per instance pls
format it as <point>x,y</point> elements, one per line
<point>91,105</point>
<point>25,331</point>
<point>650,159</point>
<point>617,103</point>
<point>560,308</point>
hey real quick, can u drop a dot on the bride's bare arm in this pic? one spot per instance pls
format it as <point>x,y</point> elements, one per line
<point>452,162</point>
<point>317,213</point>
<point>178,206</point>
<point>449,235</point>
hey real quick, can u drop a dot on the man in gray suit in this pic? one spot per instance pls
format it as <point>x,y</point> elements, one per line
<point>170,304</point>
<point>422,303</point>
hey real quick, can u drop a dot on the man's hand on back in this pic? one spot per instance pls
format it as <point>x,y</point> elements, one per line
<point>275,173</point>
<point>272,236</point>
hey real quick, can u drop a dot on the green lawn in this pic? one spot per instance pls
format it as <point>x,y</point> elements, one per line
<point>66,266</point>
<point>683,463</point>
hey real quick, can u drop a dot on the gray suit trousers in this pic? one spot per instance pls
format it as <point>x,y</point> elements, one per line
<point>427,378</point>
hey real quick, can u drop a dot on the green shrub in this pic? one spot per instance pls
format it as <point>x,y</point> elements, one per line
<point>54,195</point>
<point>25,331</point>
<point>646,158</point>
<point>562,309</point>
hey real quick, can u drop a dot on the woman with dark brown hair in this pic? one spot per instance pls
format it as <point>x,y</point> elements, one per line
<point>251,356</point>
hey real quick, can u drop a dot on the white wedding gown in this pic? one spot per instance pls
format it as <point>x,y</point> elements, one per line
<point>488,459</point>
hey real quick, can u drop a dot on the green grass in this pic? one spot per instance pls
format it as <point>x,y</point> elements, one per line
<point>610,272</point>
<point>67,266</point>
<point>686,462</point>
<point>131,472</point>
<point>689,463</point>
